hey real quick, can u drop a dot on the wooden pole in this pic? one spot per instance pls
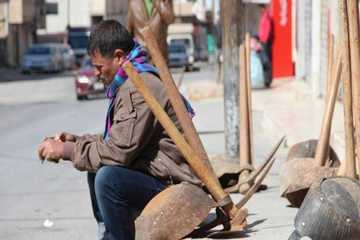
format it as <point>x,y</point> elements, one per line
<point>245,156</point>
<point>330,66</point>
<point>249,89</point>
<point>322,148</point>
<point>231,30</point>
<point>354,38</point>
<point>345,167</point>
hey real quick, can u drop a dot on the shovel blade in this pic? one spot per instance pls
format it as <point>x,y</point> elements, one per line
<point>173,213</point>
<point>298,175</point>
<point>307,149</point>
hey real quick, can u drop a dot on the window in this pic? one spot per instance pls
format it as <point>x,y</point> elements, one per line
<point>52,8</point>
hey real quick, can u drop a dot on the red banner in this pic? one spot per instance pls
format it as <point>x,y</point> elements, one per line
<point>282,46</point>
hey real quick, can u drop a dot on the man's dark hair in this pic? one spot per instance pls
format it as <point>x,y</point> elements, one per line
<point>107,36</point>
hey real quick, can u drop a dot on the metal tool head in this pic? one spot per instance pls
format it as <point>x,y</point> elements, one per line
<point>307,149</point>
<point>300,171</point>
<point>298,175</point>
<point>330,211</point>
<point>173,213</point>
<point>251,178</point>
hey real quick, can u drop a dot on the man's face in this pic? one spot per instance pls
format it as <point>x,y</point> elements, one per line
<point>106,67</point>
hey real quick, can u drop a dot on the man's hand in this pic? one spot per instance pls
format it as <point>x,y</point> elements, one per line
<point>51,150</point>
<point>65,137</point>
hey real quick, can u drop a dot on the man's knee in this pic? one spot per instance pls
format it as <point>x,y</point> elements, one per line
<point>108,180</point>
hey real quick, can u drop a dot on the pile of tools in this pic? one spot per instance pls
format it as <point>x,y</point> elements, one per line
<point>312,177</point>
<point>177,211</point>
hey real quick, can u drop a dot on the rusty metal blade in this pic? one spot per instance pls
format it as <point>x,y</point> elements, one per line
<point>257,184</point>
<point>256,173</point>
<point>173,213</point>
<point>298,175</point>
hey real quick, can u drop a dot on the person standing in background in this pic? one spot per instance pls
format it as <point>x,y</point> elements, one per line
<point>158,14</point>
<point>265,34</point>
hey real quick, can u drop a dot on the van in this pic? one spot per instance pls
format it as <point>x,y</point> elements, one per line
<point>181,33</point>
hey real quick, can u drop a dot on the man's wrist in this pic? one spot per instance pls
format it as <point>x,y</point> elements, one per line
<point>68,150</point>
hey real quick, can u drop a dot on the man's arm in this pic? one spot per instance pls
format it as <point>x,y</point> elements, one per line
<point>131,131</point>
<point>60,147</point>
<point>133,127</point>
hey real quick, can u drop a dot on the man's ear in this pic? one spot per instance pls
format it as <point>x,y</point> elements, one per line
<point>119,55</point>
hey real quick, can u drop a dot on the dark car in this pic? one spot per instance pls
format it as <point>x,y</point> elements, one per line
<point>86,83</point>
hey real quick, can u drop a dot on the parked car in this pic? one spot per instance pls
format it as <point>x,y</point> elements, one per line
<point>42,57</point>
<point>86,83</point>
<point>68,57</point>
<point>178,56</point>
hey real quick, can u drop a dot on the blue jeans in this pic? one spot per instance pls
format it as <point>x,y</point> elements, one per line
<point>117,194</point>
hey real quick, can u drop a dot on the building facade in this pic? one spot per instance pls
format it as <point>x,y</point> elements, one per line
<point>64,14</point>
<point>19,20</point>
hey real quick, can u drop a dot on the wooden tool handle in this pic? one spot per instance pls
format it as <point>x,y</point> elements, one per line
<point>194,160</point>
<point>330,66</point>
<point>181,112</point>
<point>245,155</point>
<point>354,38</point>
<point>323,144</point>
<point>249,95</point>
<point>346,167</point>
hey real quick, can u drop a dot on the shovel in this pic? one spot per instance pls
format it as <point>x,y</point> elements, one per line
<point>298,173</point>
<point>245,126</point>
<point>247,174</point>
<point>179,107</point>
<point>235,214</point>
<point>190,205</point>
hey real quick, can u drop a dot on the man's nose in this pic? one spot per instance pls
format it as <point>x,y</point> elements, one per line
<point>97,72</point>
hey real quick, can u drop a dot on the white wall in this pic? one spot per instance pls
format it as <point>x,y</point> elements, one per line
<point>97,7</point>
<point>319,47</point>
<point>4,20</point>
<point>79,15</point>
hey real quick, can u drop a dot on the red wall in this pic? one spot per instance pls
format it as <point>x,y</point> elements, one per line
<point>282,45</point>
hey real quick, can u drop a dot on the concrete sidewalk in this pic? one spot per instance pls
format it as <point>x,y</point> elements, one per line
<point>269,216</point>
<point>288,108</point>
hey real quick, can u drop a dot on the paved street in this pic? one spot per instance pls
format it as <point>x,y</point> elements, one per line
<point>31,192</point>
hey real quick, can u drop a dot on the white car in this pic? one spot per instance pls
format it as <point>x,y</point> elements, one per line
<point>68,57</point>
